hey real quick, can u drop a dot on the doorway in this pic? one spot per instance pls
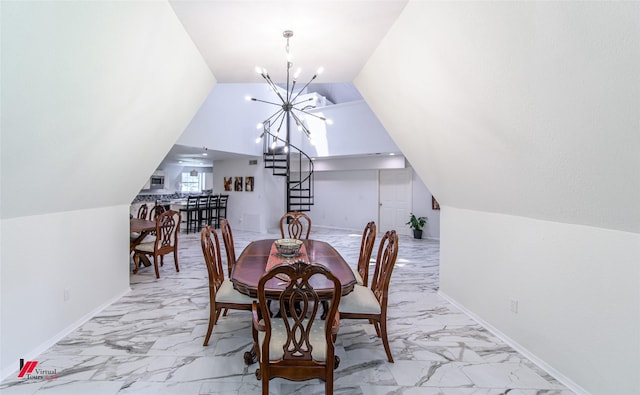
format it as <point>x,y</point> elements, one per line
<point>394,200</point>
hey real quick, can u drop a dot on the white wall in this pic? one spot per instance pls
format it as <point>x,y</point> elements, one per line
<point>346,199</point>
<point>93,96</point>
<point>84,252</point>
<point>577,290</point>
<point>522,117</point>
<point>227,122</point>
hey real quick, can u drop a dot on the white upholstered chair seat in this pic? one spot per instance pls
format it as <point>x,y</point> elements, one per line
<point>227,294</point>
<point>361,300</point>
<point>147,246</point>
<point>279,337</point>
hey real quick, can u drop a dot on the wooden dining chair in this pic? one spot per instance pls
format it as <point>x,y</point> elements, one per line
<point>361,272</point>
<point>296,344</point>
<point>297,224</point>
<point>229,247</point>
<point>156,211</point>
<point>370,303</point>
<point>142,211</point>
<point>133,236</point>
<point>222,295</point>
<point>166,241</point>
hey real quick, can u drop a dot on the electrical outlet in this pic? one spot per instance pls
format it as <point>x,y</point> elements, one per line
<point>514,306</point>
<point>66,294</point>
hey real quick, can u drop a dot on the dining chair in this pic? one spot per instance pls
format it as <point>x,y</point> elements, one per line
<point>222,295</point>
<point>191,212</point>
<point>166,241</point>
<point>229,247</point>
<point>156,211</point>
<point>297,224</point>
<point>370,303</point>
<point>153,216</point>
<point>296,344</point>
<point>133,236</point>
<point>361,272</point>
<point>142,211</point>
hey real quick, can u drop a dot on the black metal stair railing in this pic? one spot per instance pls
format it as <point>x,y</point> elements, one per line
<point>293,164</point>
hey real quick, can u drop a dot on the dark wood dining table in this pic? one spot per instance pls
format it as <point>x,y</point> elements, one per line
<point>143,227</point>
<point>252,262</point>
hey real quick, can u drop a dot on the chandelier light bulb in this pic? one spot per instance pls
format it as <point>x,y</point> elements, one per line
<point>328,121</point>
<point>297,73</point>
<point>286,148</point>
<point>258,140</point>
<point>247,98</point>
<point>260,125</point>
<point>320,70</point>
<point>258,69</point>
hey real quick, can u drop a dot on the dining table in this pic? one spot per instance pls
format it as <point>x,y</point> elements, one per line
<point>254,260</point>
<point>261,255</point>
<point>141,227</point>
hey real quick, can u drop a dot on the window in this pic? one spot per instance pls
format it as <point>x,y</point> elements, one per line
<point>192,183</point>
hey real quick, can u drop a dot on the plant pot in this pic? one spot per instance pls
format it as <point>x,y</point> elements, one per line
<point>417,234</point>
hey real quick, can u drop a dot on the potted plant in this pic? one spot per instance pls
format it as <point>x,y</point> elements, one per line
<point>417,223</point>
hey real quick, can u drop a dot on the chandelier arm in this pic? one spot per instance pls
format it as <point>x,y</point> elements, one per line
<point>280,111</point>
<point>305,87</point>
<point>273,86</point>
<point>310,113</point>
<point>301,124</point>
<point>281,121</point>
<point>264,101</point>
<point>300,102</point>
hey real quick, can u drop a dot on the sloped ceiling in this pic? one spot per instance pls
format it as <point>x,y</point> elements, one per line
<point>522,108</point>
<point>93,95</point>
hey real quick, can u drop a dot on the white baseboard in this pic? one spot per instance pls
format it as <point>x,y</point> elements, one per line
<point>33,354</point>
<point>515,345</point>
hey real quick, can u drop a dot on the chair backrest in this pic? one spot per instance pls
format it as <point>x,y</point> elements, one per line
<point>385,261</point>
<point>203,201</point>
<point>298,225</point>
<point>299,314</point>
<point>214,201</point>
<point>211,252</point>
<point>142,212</point>
<point>227,238</point>
<point>366,248</point>
<point>223,200</point>
<point>192,202</point>
<point>155,212</point>
<point>167,229</point>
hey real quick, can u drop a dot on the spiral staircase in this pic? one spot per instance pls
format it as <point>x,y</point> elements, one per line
<point>293,164</point>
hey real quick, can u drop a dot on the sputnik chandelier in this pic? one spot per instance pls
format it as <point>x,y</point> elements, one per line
<point>290,108</point>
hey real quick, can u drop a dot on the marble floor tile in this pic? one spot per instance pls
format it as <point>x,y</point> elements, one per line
<point>150,341</point>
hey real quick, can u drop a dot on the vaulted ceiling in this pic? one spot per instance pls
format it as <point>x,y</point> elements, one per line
<point>236,36</point>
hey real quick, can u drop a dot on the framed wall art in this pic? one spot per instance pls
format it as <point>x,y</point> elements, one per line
<point>434,203</point>
<point>227,183</point>
<point>238,184</point>
<point>248,184</point>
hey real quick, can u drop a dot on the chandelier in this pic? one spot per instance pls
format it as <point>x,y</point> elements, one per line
<point>290,105</point>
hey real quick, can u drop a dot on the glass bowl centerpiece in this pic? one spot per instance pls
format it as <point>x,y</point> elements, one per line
<point>288,247</point>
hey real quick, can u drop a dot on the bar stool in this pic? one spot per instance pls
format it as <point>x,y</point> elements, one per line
<point>222,207</point>
<point>213,207</point>
<point>191,212</point>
